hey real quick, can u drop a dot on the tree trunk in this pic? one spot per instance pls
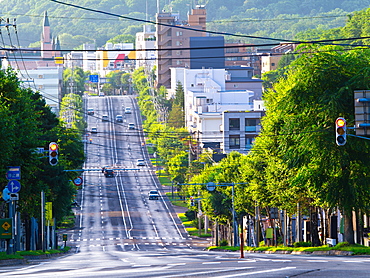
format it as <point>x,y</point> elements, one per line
<point>315,241</point>
<point>348,227</point>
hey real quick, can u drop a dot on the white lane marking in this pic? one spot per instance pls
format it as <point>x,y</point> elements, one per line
<point>211,263</point>
<point>258,272</point>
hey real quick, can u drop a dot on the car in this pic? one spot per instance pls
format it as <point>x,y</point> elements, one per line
<point>131,126</point>
<point>94,130</point>
<point>105,118</point>
<point>153,195</point>
<point>127,110</point>
<point>90,111</point>
<point>119,119</point>
<point>108,172</point>
<point>101,94</point>
<point>140,162</point>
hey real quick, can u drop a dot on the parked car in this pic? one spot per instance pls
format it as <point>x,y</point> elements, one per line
<point>119,119</point>
<point>128,110</point>
<point>108,173</point>
<point>105,118</point>
<point>140,162</point>
<point>90,111</point>
<point>94,130</point>
<point>101,94</point>
<point>153,195</point>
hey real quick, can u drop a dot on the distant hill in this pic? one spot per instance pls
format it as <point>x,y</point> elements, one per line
<point>264,18</point>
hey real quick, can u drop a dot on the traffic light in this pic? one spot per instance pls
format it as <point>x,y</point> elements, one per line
<point>192,201</point>
<point>53,153</point>
<point>341,131</point>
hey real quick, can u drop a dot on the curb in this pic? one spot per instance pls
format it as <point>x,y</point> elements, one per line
<point>29,259</point>
<point>318,253</point>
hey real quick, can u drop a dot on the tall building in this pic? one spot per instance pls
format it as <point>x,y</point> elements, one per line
<point>173,43</point>
<point>145,40</point>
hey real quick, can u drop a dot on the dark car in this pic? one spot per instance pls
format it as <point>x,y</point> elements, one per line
<point>108,173</point>
<point>90,111</point>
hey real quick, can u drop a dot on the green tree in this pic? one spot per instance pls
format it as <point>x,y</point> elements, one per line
<point>297,142</point>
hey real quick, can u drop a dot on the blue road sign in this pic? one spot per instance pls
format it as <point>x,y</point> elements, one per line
<point>13,173</point>
<point>14,186</point>
<point>6,194</point>
<point>94,78</point>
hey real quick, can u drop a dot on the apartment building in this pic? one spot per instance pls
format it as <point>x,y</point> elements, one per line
<point>209,106</point>
<point>145,45</point>
<point>173,41</point>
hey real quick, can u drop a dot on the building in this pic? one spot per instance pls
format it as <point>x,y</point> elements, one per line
<point>173,43</point>
<point>209,105</point>
<point>145,40</point>
<point>38,67</point>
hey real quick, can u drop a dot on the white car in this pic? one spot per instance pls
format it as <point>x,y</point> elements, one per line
<point>94,130</point>
<point>153,195</point>
<point>140,162</point>
<point>128,110</point>
<point>105,118</point>
<point>119,119</point>
<point>131,126</point>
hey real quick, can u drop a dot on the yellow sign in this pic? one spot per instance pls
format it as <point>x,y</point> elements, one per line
<point>6,228</point>
<point>48,211</point>
<point>59,60</point>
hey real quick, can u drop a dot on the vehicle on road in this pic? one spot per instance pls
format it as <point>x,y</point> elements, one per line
<point>94,130</point>
<point>108,172</point>
<point>140,162</point>
<point>128,110</point>
<point>131,126</point>
<point>119,119</point>
<point>90,111</point>
<point>105,118</point>
<point>101,94</point>
<point>153,195</point>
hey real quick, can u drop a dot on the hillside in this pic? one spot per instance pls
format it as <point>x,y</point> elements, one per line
<point>264,18</point>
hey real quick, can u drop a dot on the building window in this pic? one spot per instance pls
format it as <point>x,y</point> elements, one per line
<point>209,100</point>
<point>235,86</point>
<point>179,62</point>
<point>234,124</point>
<point>41,76</point>
<point>169,43</point>
<point>273,64</point>
<point>249,142</point>
<point>234,142</point>
<point>178,33</point>
<point>250,125</point>
<point>169,33</point>
<point>41,87</point>
<point>179,52</point>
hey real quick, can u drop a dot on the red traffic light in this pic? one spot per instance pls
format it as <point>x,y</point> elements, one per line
<point>53,153</point>
<point>53,146</point>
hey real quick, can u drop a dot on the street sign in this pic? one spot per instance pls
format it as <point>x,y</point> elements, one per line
<point>6,228</point>
<point>48,211</point>
<point>6,194</point>
<point>13,173</point>
<point>14,196</point>
<point>211,186</point>
<point>94,78</point>
<point>78,181</point>
<point>14,186</point>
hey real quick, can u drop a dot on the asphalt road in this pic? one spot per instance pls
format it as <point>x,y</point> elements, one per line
<point>121,233</point>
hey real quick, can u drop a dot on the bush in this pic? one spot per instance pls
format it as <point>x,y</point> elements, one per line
<point>190,214</point>
<point>342,244</point>
<point>223,242</point>
<point>302,244</point>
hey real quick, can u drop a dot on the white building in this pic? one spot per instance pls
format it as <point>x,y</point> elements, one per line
<point>145,40</point>
<point>209,106</point>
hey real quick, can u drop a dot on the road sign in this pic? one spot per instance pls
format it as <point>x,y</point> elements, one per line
<point>211,186</point>
<point>48,210</point>
<point>6,194</point>
<point>13,173</point>
<point>6,228</point>
<point>78,181</point>
<point>94,78</point>
<point>14,186</point>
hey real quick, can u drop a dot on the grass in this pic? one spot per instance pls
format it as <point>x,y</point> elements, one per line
<point>20,254</point>
<point>355,248</point>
